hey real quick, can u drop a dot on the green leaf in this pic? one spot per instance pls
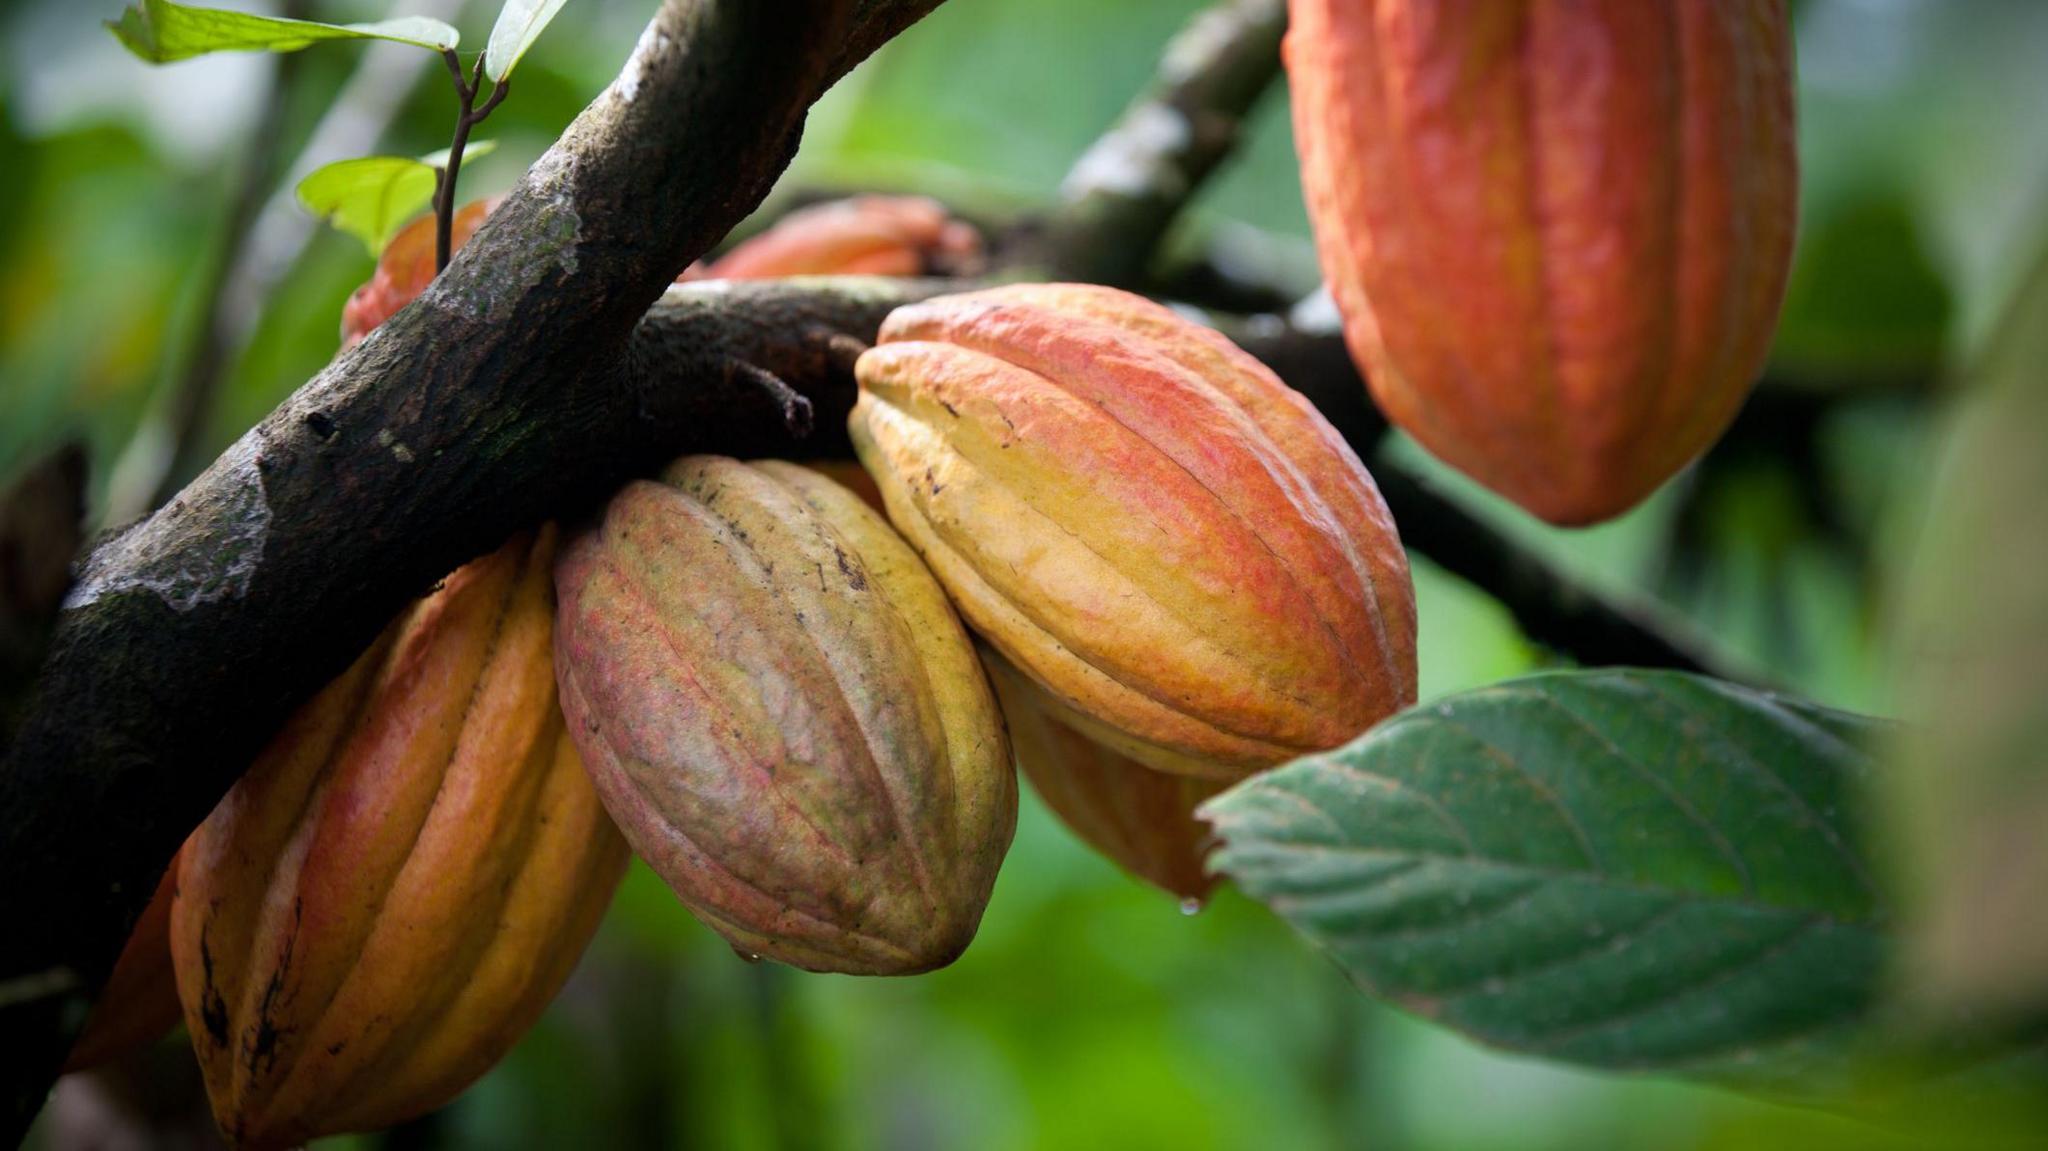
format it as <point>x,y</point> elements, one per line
<point>474,150</point>
<point>1970,801</point>
<point>1622,869</point>
<point>371,197</point>
<point>520,23</point>
<point>160,31</point>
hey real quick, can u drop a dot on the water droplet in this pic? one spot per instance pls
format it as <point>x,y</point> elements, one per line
<point>749,956</point>
<point>1190,906</point>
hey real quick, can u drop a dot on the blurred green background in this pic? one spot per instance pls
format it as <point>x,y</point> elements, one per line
<point>1090,1011</point>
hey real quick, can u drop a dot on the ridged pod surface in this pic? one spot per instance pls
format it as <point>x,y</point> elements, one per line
<point>139,1003</point>
<point>785,717</point>
<point>864,235</point>
<point>402,881</point>
<point>1144,520</point>
<point>1141,819</point>
<point>1558,232</point>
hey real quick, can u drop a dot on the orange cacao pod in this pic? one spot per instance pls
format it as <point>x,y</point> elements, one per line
<point>139,1003</point>
<point>1558,233</point>
<point>1142,519</point>
<point>865,235</point>
<point>785,717</point>
<point>402,881</point>
<point>405,269</point>
<point>1143,820</point>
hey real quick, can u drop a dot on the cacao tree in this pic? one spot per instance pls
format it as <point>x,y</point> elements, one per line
<point>768,539</point>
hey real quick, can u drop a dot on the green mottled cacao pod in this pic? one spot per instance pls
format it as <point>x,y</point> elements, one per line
<point>785,717</point>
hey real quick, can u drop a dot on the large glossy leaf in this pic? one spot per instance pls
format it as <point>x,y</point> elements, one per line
<point>1632,870</point>
<point>371,197</point>
<point>520,23</point>
<point>161,31</point>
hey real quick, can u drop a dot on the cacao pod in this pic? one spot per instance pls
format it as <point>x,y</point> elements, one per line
<point>1143,820</point>
<point>405,269</point>
<point>865,235</point>
<point>1144,520</point>
<point>404,878</point>
<point>785,718</point>
<point>139,1003</point>
<point>850,475</point>
<point>1558,233</point>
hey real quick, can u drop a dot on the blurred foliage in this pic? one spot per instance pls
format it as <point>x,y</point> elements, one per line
<point>1089,1012</point>
<point>1971,800</point>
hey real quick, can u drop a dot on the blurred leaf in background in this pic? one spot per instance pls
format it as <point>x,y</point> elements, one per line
<point>1971,801</point>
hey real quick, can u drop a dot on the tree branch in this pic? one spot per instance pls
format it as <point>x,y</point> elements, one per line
<point>506,392</point>
<point>1125,192</point>
<point>167,450</point>
<point>1551,607</point>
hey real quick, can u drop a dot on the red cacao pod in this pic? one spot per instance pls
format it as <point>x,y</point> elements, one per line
<point>406,268</point>
<point>139,1003</point>
<point>1558,232</point>
<point>402,881</point>
<point>1142,519</point>
<point>785,717</point>
<point>865,235</point>
<point>1143,820</point>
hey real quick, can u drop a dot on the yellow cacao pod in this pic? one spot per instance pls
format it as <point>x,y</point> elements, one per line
<point>1142,519</point>
<point>398,886</point>
<point>1143,820</point>
<point>139,1003</point>
<point>785,717</point>
<point>1558,233</point>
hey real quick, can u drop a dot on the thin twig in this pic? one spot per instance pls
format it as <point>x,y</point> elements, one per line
<point>469,117</point>
<point>1552,608</point>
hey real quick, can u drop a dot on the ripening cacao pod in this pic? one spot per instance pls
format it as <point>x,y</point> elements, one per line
<point>850,475</point>
<point>1143,820</point>
<point>865,235</point>
<point>139,1003</point>
<point>785,717</point>
<point>1558,232</point>
<point>398,886</point>
<point>1144,520</point>
<point>405,269</point>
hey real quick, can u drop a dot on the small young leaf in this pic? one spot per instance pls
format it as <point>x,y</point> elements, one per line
<point>161,31</point>
<point>475,149</point>
<point>520,23</point>
<point>1621,869</point>
<point>369,197</point>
